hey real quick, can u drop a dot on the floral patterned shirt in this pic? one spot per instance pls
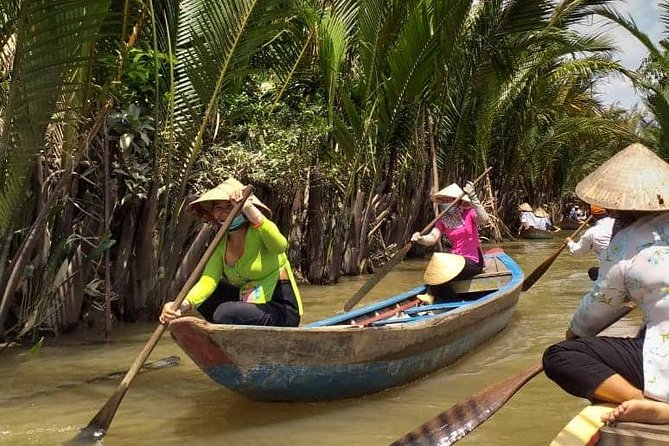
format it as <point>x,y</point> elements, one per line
<point>635,267</point>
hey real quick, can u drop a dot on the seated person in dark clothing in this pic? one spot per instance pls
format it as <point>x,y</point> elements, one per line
<point>442,269</point>
<point>248,279</point>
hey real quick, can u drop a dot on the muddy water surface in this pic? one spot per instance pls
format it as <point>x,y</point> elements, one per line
<point>46,398</point>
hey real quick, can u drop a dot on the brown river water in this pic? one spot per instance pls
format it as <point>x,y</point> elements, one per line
<point>47,397</point>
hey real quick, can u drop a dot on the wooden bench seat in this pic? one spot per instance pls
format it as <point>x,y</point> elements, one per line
<point>494,276</point>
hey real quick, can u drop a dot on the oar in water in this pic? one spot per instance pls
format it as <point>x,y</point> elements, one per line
<point>98,426</point>
<point>463,417</point>
<point>399,255</point>
<point>541,269</point>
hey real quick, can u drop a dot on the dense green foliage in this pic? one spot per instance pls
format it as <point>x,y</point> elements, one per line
<point>335,111</point>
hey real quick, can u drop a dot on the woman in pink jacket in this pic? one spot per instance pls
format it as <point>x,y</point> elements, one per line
<point>460,226</point>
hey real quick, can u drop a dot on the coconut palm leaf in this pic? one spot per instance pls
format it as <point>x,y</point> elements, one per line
<point>630,25</point>
<point>332,28</point>
<point>216,42</point>
<point>53,46</point>
<point>569,12</point>
<point>656,93</point>
<point>52,43</point>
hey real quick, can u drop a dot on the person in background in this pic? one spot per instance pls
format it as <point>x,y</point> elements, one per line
<point>527,217</point>
<point>248,279</point>
<point>576,213</point>
<point>460,226</point>
<point>630,372</point>
<point>543,219</point>
<point>596,238</point>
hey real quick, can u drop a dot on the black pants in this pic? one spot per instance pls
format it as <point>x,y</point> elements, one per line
<point>444,292</point>
<point>581,365</point>
<point>471,268</point>
<point>224,307</point>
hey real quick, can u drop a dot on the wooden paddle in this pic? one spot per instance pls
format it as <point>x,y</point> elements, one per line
<point>399,255</point>
<point>541,269</point>
<point>98,426</point>
<point>463,417</point>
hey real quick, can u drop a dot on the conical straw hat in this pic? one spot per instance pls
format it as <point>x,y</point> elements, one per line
<point>443,267</point>
<point>451,191</point>
<point>222,192</point>
<point>541,212</point>
<point>525,207</point>
<point>634,179</point>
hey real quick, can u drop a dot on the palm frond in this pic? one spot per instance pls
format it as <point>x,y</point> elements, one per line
<point>664,16</point>
<point>53,41</point>
<point>215,44</point>
<point>630,25</point>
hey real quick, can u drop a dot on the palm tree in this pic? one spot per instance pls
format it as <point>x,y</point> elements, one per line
<point>49,88</point>
<point>651,78</point>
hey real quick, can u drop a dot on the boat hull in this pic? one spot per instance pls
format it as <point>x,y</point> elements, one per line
<point>315,363</point>
<point>569,224</point>
<point>538,234</point>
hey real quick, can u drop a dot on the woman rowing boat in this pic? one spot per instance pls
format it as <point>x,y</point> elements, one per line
<point>630,372</point>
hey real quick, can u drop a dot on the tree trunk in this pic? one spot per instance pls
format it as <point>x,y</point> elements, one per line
<point>127,217</point>
<point>295,230</point>
<point>144,263</point>
<point>351,265</point>
<point>173,249</point>
<point>188,261</point>
<point>315,233</point>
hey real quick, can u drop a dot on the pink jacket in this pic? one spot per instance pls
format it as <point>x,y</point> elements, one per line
<point>464,239</point>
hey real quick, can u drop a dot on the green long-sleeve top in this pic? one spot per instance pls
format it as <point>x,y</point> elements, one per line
<point>256,272</point>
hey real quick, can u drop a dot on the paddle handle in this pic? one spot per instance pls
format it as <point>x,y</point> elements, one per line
<point>101,421</point>
<point>429,226</point>
<point>578,230</point>
<point>192,278</point>
<point>195,274</point>
<point>541,269</point>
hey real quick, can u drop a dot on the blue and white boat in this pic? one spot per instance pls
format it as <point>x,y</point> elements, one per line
<point>366,350</point>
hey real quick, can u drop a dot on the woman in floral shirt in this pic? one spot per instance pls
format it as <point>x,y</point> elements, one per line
<point>631,372</point>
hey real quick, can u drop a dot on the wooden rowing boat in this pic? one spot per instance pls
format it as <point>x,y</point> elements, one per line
<point>570,224</point>
<point>536,233</point>
<point>359,352</point>
<point>587,429</point>
<point>583,429</point>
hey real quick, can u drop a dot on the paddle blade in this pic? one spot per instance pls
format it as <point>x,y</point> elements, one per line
<point>465,416</point>
<point>98,426</point>
<point>376,277</point>
<point>539,271</point>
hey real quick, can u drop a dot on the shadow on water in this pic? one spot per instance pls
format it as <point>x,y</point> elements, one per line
<point>234,416</point>
<point>169,361</point>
